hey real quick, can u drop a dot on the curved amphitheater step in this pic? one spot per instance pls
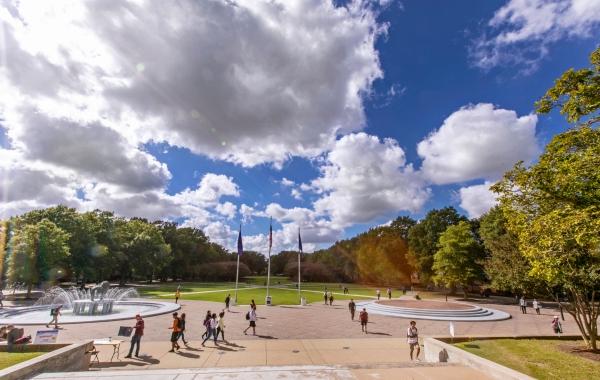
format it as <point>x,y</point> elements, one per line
<point>444,311</point>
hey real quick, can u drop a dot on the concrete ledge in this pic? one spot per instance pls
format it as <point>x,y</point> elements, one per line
<point>438,351</point>
<point>73,357</point>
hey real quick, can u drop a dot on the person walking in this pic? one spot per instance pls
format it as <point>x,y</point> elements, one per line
<point>557,326</point>
<point>330,299</point>
<point>412,338</point>
<point>352,308</point>
<point>182,328</point>
<point>54,313</point>
<point>253,304</point>
<point>227,301</point>
<point>221,326</point>
<point>251,316</point>
<point>137,336</point>
<point>325,296</point>
<point>206,324</point>
<point>364,319</point>
<point>389,293</point>
<point>175,333</point>
<point>1,299</point>
<point>212,329</point>
<point>378,294</point>
<point>536,306</point>
<point>523,305</point>
<point>177,294</point>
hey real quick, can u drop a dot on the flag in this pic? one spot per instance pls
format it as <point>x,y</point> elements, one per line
<point>299,241</point>
<point>240,246</point>
<point>271,233</point>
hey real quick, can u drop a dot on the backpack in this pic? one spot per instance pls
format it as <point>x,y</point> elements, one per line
<point>53,311</point>
<point>248,316</point>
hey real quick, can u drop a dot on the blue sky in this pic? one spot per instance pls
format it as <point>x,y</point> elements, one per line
<point>332,117</point>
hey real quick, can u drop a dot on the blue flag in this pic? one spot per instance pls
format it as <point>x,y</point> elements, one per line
<point>299,241</point>
<point>240,246</point>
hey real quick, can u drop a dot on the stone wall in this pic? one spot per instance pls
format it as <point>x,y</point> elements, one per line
<point>438,351</point>
<point>69,358</point>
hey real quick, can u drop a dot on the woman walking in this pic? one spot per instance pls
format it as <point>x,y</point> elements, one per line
<point>182,329</point>
<point>251,316</point>
<point>212,329</point>
<point>206,324</point>
<point>221,325</point>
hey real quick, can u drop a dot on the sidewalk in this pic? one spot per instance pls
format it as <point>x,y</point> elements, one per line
<point>273,359</point>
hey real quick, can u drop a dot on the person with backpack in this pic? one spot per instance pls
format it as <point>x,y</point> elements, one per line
<point>221,325</point>
<point>557,326</point>
<point>206,324</point>
<point>352,308</point>
<point>137,336</point>
<point>182,326</point>
<point>364,319</point>
<point>175,333</point>
<point>212,329</point>
<point>412,338</point>
<point>251,317</point>
<point>227,301</point>
<point>54,313</point>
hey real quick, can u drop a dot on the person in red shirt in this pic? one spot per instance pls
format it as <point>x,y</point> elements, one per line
<point>137,336</point>
<point>364,319</point>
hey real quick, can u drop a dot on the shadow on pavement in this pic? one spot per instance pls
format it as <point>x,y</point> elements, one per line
<point>379,333</point>
<point>188,355</point>
<point>266,336</point>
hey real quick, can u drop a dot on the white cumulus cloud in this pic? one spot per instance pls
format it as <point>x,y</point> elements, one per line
<point>477,141</point>
<point>476,200</point>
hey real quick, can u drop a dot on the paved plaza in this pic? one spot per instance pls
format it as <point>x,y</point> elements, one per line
<point>317,321</point>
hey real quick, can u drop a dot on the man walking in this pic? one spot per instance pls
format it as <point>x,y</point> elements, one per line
<point>251,317</point>
<point>523,305</point>
<point>137,336</point>
<point>175,333</point>
<point>227,301</point>
<point>330,299</point>
<point>389,293</point>
<point>412,337</point>
<point>177,294</point>
<point>536,306</point>
<point>325,297</point>
<point>352,308</point>
<point>364,319</point>
<point>378,294</point>
<point>54,313</point>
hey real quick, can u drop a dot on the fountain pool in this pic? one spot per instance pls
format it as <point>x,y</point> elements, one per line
<point>79,306</point>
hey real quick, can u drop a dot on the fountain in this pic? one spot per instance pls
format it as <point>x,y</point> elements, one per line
<point>100,303</point>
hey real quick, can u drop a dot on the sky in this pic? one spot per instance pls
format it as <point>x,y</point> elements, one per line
<point>328,116</point>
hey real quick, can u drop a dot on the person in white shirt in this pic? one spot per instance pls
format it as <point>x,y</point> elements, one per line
<point>523,305</point>
<point>252,319</point>
<point>212,329</point>
<point>412,337</point>
<point>536,306</point>
<point>221,325</point>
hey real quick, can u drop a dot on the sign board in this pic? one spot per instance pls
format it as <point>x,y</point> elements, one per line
<point>125,331</point>
<point>45,336</point>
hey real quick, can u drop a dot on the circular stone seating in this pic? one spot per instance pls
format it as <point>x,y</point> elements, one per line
<point>460,312</point>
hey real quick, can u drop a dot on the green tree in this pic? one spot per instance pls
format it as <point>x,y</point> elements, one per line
<point>38,252</point>
<point>256,262</point>
<point>423,239</point>
<point>506,267</point>
<point>144,251</point>
<point>576,93</point>
<point>458,259</point>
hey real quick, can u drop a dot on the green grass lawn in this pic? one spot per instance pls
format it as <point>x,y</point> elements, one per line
<point>11,358</point>
<point>541,359</point>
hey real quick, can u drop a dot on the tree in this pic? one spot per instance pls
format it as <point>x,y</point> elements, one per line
<point>553,207</point>
<point>576,93</point>
<point>145,252</point>
<point>506,267</point>
<point>38,252</point>
<point>423,239</point>
<point>457,261</point>
<point>256,262</point>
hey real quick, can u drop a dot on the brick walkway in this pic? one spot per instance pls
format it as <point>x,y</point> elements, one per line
<point>317,321</point>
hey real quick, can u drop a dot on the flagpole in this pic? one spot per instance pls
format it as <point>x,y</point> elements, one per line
<point>237,270</point>
<point>269,263</point>
<point>299,272</point>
